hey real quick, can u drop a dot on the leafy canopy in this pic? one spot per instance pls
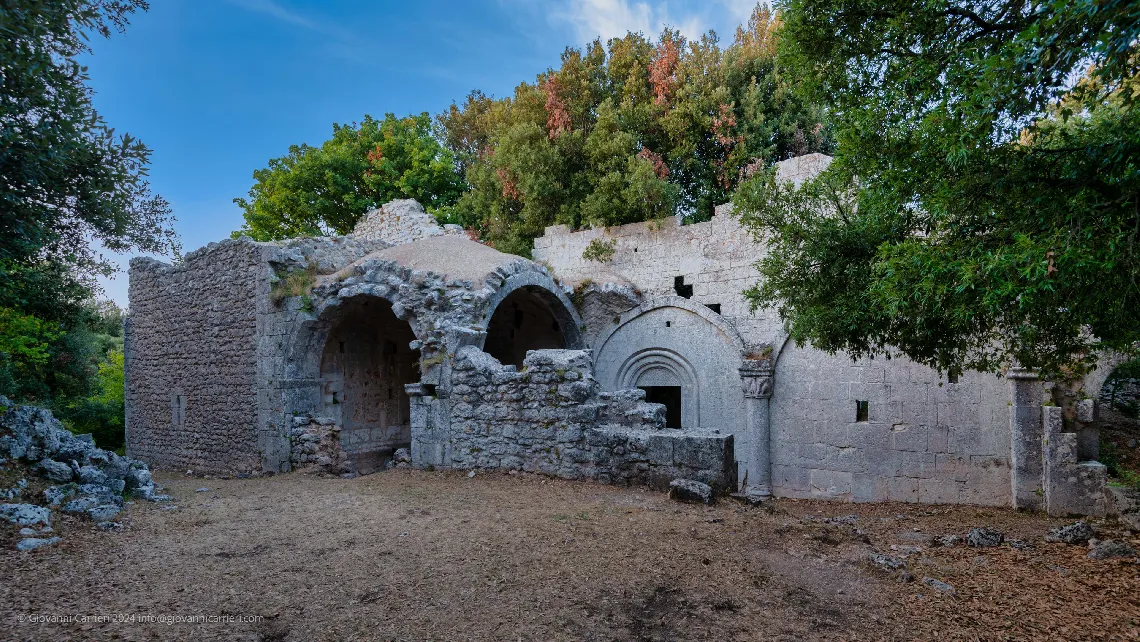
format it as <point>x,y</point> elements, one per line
<point>68,184</point>
<point>982,208</point>
<point>628,131</point>
<point>323,190</point>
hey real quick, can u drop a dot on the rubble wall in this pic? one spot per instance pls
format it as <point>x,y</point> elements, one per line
<point>550,417</point>
<point>399,222</point>
<point>191,358</point>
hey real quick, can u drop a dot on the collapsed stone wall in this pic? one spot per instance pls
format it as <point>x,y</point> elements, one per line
<point>399,222</point>
<point>551,417</point>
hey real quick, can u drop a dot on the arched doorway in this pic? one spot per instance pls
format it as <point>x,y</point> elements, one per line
<point>524,320</point>
<point>365,364</point>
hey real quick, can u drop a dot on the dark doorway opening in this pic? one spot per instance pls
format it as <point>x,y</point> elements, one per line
<point>668,396</point>
<point>366,364</point>
<point>523,321</point>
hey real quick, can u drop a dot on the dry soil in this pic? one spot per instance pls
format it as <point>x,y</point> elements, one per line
<point>416,555</point>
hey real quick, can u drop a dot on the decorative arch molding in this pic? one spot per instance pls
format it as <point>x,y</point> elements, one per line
<point>654,366</point>
<point>543,286</point>
<point>672,301</point>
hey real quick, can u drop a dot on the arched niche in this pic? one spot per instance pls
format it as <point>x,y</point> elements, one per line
<point>668,379</point>
<point>365,364</point>
<point>673,342</point>
<point>526,314</point>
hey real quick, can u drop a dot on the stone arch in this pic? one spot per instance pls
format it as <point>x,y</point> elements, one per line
<point>671,301</point>
<point>307,338</point>
<point>367,360</point>
<point>529,312</point>
<point>671,338</point>
<point>657,368</point>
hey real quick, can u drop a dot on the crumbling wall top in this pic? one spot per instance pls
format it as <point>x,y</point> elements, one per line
<point>401,221</point>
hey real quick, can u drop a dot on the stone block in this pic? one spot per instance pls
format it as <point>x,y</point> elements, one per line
<point>830,483</point>
<point>1087,411</point>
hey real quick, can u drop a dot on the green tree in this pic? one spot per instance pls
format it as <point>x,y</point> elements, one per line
<point>66,180</point>
<point>316,191</point>
<point>982,208</point>
<point>629,131</point>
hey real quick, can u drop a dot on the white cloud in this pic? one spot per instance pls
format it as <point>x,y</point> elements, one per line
<point>590,19</point>
<point>613,18</point>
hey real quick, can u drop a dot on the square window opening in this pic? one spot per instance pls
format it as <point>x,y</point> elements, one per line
<point>682,290</point>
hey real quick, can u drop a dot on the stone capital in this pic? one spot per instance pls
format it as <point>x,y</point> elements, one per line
<point>756,378</point>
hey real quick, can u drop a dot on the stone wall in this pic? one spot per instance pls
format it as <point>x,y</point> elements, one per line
<point>715,259</point>
<point>202,340</point>
<point>191,358</point>
<point>550,417</point>
<point>399,222</point>
<point>923,440</point>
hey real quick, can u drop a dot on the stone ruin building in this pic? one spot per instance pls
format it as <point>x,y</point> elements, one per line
<point>336,353</point>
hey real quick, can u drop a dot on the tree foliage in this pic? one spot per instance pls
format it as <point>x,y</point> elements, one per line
<point>68,178</point>
<point>323,190</point>
<point>982,208</point>
<point>68,184</point>
<point>629,131</point>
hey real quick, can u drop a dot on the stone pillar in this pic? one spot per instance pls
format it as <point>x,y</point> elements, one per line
<point>428,447</point>
<point>1025,432</point>
<point>756,377</point>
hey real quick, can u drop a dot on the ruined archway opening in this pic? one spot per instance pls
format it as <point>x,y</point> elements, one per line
<point>365,364</point>
<point>523,321</point>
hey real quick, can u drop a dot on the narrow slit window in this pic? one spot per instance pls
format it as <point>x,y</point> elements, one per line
<point>862,410</point>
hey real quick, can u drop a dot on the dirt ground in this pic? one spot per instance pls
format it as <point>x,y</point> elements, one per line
<point>413,555</point>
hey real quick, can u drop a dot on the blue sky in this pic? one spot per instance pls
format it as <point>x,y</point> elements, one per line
<point>218,87</point>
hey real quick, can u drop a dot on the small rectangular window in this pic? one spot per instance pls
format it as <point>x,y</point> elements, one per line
<point>715,307</point>
<point>952,377</point>
<point>862,411</point>
<point>178,410</point>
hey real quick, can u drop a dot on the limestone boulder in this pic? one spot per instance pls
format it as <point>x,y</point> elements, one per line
<point>984,537</point>
<point>691,492</point>
<point>25,514</point>
<point>1075,533</point>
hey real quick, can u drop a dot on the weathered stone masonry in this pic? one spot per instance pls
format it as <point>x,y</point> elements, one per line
<point>191,358</point>
<point>331,354</point>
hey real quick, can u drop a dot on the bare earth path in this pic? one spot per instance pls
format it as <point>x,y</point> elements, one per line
<point>412,555</point>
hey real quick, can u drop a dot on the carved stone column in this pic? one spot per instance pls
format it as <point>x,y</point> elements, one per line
<point>756,377</point>
<point>1025,434</point>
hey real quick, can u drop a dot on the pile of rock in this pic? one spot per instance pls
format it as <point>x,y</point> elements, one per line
<point>315,446</point>
<point>89,481</point>
<point>1081,533</point>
